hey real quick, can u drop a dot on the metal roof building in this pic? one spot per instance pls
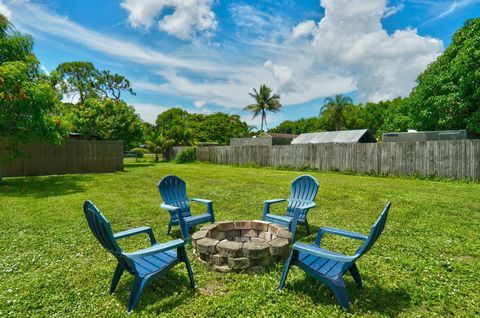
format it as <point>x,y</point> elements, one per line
<point>427,135</point>
<point>341,136</point>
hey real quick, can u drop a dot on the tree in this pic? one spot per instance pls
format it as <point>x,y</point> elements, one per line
<point>375,116</point>
<point>27,102</point>
<point>448,92</point>
<point>86,81</point>
<point>158,143</point>
<point>112,85</point>
<point>76,78</point>
<point>220,128</point>
<point>171,118</point>
<point>186,128</point>
<point>299,126</point>
<point>334,108</point>
<point>14,46</point>
<point>109,119</point>
<point>264,101</point>
<point>182,136</point>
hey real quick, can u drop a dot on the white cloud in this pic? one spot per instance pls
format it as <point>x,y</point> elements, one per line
<point>263,24</point>
<point>38,20</point>
<point>445,8</point>
<point>149,112</point>
<point>187,19</point>
<point>5,10</point>
<point>45,70</point>
<point>345,51</point>
<point>202,111</point>
<point>284,76</point>
<point>303,29</point>
<point>389,11</point>
<point>199,103</point>
<point>351,37</point>
<point>234,92</point>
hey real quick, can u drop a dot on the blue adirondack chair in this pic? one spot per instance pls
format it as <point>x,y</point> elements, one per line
<point>329,267</point>
<point>174,194</point>
<point>304,191</point>
<point>146,264</point>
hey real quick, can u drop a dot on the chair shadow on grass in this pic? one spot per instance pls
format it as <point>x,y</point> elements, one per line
<point>162,295</point>
<point>371,298</point>
<point>45,186</point>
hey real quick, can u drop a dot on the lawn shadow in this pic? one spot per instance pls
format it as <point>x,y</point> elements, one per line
<point>303,234</point>
<point>161,295</point>
<point>371,298</point>
<point>132,165</point>
<point>41,187</point>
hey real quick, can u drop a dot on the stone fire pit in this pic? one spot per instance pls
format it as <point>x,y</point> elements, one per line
<point>241,246</point>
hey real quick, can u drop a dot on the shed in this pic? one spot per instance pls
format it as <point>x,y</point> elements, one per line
<point>281,139</point>
<point>341,136</point>
<point>427,135</point>
<point>268,139</point>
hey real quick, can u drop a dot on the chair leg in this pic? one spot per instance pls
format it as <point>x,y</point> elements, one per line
<point>169,228</point>
<point>341,295</point>
<point>286,268</point>
<point>137,290</point>
<point>116,277</point>
<point>356,275</point>
<point>189,268</point>
<point>307,226</point>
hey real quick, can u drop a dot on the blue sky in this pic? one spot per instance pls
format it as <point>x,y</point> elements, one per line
<point>207,55</point>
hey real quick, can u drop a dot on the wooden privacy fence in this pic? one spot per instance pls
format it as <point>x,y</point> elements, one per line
<point>458,159</point>
<point>74,156</point>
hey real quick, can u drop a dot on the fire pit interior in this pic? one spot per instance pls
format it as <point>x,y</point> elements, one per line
<point>241,246</point>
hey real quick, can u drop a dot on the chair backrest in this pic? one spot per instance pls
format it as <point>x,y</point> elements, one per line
<point>375,232</point>
<point>304,190</point>
<point>100,228</point>
<point>174,192</point>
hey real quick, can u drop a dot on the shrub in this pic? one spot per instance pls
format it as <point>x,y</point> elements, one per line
<point>186,155</point>
<point>140,152</point>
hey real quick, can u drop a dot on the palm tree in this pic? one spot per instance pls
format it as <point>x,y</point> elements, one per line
<point>182,136</point>
<point>338,105</point>
<point>265,101</point>
<point>4,25</point>
<point>158,143</point>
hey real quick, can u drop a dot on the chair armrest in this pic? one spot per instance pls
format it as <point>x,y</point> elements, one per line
<point>136,231</point>
<point>267,203</point>
<point>330,230</point>
<point>209,204</point>
<point>169,207</point>
<point>203,201</point>
<point>306,206</point>
<point>314,250</point>
<point>275,201</point>
<point>157,248</point>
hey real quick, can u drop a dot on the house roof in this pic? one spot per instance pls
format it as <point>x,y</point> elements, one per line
<point>279,135</point>
<point>342,136</point>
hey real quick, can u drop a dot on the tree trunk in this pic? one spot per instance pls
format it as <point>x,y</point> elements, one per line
<point>264,118</point>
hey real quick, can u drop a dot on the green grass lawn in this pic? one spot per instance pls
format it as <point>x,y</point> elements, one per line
<point>425,264</point>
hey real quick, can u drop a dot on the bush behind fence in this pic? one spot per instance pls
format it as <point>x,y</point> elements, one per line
<point>457,159</point>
